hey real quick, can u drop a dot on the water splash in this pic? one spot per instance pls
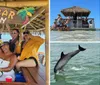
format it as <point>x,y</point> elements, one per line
<point>76,68</point>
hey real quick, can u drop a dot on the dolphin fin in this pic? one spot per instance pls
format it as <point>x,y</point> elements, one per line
<point>81,48</point>
<point>62,54</point>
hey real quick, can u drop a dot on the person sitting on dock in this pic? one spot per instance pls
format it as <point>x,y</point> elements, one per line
<point>61,22</point>
<point>59,18</point>
<point>66,23</point>
<point>85,22</point>
<point>7,62</point>
<point>54,25</point>
<point>30,46</point>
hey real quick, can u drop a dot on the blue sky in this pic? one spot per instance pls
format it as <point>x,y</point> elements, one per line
<point>93,5</point>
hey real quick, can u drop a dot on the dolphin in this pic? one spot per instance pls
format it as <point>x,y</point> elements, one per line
<point>65,58</point>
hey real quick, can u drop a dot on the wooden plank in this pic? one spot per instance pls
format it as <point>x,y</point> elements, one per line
<point>36,26</point>
<point>25,3</point>
<point>12,83</point>
<point>35,74</point>
<point>28,76</point>
<point>42,21</point>
<point>32,26</point>
<point>41,25</point>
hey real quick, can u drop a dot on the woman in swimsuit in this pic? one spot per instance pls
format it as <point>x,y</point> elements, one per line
<point>7,62</point>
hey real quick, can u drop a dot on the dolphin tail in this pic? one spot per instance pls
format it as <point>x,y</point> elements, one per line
<point>81,48</point>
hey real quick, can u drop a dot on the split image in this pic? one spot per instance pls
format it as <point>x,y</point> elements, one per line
<point>23,36</point>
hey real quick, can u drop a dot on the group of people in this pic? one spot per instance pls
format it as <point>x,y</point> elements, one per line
<point>61,23</point>
<point>18,52</point>
<point>65,24</point>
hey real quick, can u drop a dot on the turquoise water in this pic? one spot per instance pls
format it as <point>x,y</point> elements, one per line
<point>75,36</point>
<point>7,37</point>
<point>82,69</point>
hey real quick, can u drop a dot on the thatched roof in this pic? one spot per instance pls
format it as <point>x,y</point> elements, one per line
<point>75,10</point>
<point>37,21</point>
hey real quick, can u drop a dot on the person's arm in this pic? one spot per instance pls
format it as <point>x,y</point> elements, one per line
<point>13,62</point>
<point>36,38</point>
<point>8,28</point>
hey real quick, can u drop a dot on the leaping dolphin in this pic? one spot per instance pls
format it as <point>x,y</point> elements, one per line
<point>65,58</point>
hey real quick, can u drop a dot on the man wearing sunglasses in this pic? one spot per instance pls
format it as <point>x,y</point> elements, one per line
<point>30,46</point>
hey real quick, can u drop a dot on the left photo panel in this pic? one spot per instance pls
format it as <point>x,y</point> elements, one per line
<point>24,42</point>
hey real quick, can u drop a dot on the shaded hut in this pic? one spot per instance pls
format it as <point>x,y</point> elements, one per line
<point>79,16</point>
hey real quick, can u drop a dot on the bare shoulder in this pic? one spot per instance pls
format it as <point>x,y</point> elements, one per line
<point>1,54</point>
<point>13,56</point>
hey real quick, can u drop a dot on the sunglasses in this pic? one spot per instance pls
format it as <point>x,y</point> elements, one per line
<point>25,32</point>
<point>14,33</point>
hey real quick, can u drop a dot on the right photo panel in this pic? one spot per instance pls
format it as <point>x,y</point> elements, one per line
<point>73,20</point>
<point>74,42</point>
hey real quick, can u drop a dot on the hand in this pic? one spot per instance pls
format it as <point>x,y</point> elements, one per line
<point>30,35</point>
<point>18,58</point>
<point>0,69</point>
<point>8,27</point>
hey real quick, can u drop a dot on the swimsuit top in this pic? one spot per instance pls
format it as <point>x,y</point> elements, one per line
<point>4,63</point>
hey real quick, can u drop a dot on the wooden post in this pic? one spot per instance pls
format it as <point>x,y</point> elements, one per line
<point>93,23</point>
<point>47,43</point>
<point>77,22</point>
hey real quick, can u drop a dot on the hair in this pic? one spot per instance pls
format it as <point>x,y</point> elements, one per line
<point>17,38</point>
<point>7,43</point>
<point>27,31</point>
<point>16,30</point>
<point>59,15</point>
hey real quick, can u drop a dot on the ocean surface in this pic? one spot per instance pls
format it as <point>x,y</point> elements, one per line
<point>7,37</point>
<point>82,69</point>
<point>75,35</point>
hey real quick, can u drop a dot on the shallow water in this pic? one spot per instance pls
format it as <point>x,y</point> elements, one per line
<point>75,35</point>
<point>82,69</point>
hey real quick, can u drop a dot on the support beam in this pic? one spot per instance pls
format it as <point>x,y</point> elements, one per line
<point>47,44</point>
<point>36,26</point>
<point>42,21</point>
<point>39,30</point>
<point>41,25</point>
<point>32,26</point>
<point>23,3</point>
